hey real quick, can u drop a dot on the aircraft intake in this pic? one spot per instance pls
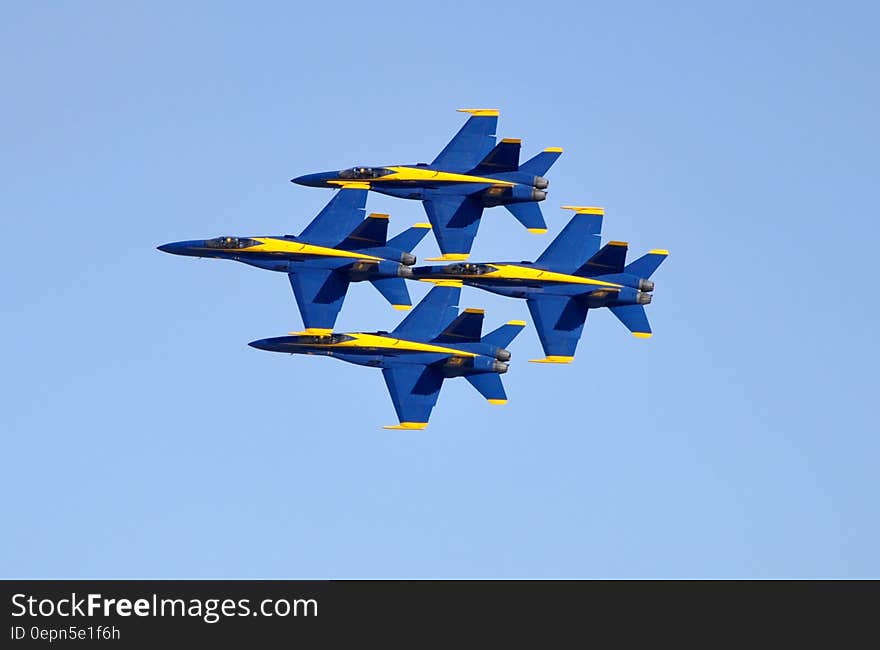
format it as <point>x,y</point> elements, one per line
<point>541,183</point>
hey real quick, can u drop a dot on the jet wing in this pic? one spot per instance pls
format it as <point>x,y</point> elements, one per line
<point>559,321</point>
<point>340,216</point>
<point>436,310</point>
<point>414,390</point>
<point>472,142</point>
<point>319,294</point>
<point>454,220</point>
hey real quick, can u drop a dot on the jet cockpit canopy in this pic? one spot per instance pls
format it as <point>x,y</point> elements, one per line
<point>469,268</point>
<point>364,173</point>
<point>230,242</point>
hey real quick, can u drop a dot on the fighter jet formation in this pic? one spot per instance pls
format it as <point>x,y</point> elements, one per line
<point>435,342</point>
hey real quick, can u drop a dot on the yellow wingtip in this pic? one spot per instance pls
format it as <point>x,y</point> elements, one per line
<point>481,112</point>
<point>585,209</point>
<point>497,401</point>
<point>521,323</point>
<point>553,149</point>
<point>537,231</point>
<point>402,307</point>
<point>658,251</point>
<point>551,358</point>
<point>409,426</point>
<point>642,335</point>
<point>421,224</point>
<point>449,257</point>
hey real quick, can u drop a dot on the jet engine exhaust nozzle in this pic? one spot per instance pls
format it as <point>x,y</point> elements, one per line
<point>644,298</point>
<point>538,195</point>
<point>541,183</point>
<point>502,354</point>
<point>408,259</point>
<point>500,367</point>
<point>404,271</point>
<point>646,285</point>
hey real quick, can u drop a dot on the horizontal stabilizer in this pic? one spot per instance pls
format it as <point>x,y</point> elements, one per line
<point>394,290</point>
<point>505,334</point>
<point>635,319</point>
<point>369,233</point>
<point>579,240</point>
<point>466,328</point>
<point>431,315</point>
<point>339,217</point>
<point>503,158</point>
<point>541,164</point>
<point>409,238</point>
<point>472,142</point>
<point>610,259</point>
<point>645,266</point>
<point>529,215</point>
<point>489,386</point>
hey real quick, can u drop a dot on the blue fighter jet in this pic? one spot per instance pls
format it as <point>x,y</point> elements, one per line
<point>338,247</point>
<point>470,174</point>
<point>571,277</point>
<point>434,342</point>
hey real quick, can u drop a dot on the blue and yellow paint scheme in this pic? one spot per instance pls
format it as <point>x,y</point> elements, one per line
<point>338,247</point>
<point>472,173</point>
<point>575,274</point>
<point>434,342</point>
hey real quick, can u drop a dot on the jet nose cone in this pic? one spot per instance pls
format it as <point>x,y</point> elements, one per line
<point>311,180</point>
<point>261,344</point>
<point>174,248</point>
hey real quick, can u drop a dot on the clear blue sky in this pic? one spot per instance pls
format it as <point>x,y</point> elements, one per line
<point>143,438</point>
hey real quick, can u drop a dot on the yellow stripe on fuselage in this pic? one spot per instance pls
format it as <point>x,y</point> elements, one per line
<point>287,247</point>
<point>515,272</point>
<point>423,175</point>
<point>379,342</point>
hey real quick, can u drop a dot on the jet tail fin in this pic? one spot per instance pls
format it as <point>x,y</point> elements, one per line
<point>645,266</point>
<point>489,386</point>
<point>369,233</point>
<point>505,334</point>
<point>529,215</point>
<point>541,164</point>
<point>634,318</point>
<point>503,158</point>
<point>607,260</point>
<point>466,328</point>
<point>394,291</point>
<point>409,238</point>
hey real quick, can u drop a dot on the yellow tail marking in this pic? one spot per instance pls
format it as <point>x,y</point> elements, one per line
<point>402,307</point>
<point>584,209</point>
<point>512,140</point>
<point>481,112</point>
<point>618,243</point>
<point>497,401</point>
<point>449,257</point>
<point>537,231</point>
<point>473,310</point>
<point>553,359</point>
<point>521,323</point>
<point>407,425</point>
<point>642,335</point>
<point>658,251</point>
<point>553,149</point>
<point>377,215</point>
